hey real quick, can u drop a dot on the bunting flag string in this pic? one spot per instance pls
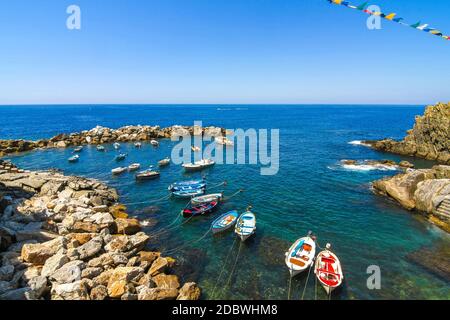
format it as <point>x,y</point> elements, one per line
<point>391,17</point>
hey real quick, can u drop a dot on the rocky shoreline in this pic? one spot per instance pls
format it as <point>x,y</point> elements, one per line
<point>103,135</point>
<point>66,237</point>
<point>429,139</point>
<point>426,191</point>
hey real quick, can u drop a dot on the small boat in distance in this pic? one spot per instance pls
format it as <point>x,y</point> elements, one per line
<point>188,193</point>
<point>224,222</point>
<point>199,210</point>
<point>116,145</point>
<point>121,157</point>
<point>207,198</point>
<point>195,149</point>
<point>223,141</point>
<point>300,255</point>
<point>78,149</point>
<point>198,165</point>
<point>328,270</point>
<point>75,158</point>
<point>119,170</point>
<point>138,144</point>
<point>147,175</point>
<point>154,143</point>
<point>164,162</point>
<point>246,225</point>
<point>100,148</point>
<point>134,166</point>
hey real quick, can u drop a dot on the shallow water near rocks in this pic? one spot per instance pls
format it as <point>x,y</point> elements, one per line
<point>312,191</point>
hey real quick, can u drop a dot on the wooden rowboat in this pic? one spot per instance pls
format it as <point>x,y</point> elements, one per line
<point>224,222</point>
<point>300,255</point>
<point>200,210</point>
<point>328,270</point>
<point>245,225</point>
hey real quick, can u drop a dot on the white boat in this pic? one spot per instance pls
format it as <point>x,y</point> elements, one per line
<point>147,175</point>
<point>246,225</point>
<point>138,144</point>
<point>224,141</point>
<point>164,162</point>
<point>100,148</point>
<point>300,255</point>
<point>195,149</point>
<point>154,143</point>
<point>119,170</point>
<point>116,146</point>
<point>78,149</point>
<point>207,198</point>
<point>75,158</point>
<point>198,165</point>
<point>134,166</point>
<point>328,270</point>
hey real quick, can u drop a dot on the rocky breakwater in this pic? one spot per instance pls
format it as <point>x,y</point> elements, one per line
<point>101,135</point>
<point>424,190</point>
<point>64,237</point>
<point>429,139</point>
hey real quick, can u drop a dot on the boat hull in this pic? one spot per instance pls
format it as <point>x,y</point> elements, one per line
<point>300,256</point>
<point>224,222</point>
<point>245,226</point>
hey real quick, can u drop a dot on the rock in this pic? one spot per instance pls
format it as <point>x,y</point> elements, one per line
<point>105,259</point>
<point>70,291</point>
<point>127,243</point>
<point>91,248</point>
<point>102,208</point>
<point>70,272</point>
<point>61,207</point>
<point>118,283</point>
<point>189,291</point>
<point>164,281</point>
<point>102,218</point>
<point>91,273</point>
<point>127,226</point>
<point>17,294</point>
<point>129,296</point>
<point>54,263</point>
<point>148,256</point>
<point>6,273</point>
<point>39,253</point>
<point>406,164</point>
<point>145,293</point>
<point>430,194</point>
<point>158,266</point>
<point>39,286</point>
<point>103,278</point>
<point>99,293</point>
<point>61,144</point>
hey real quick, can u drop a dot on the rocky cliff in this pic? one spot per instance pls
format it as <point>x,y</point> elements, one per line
<point>425,190</point>
<point>429,139</point>
<point>66,238</point>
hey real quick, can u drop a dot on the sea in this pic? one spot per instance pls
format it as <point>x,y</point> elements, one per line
<point>312,191</point>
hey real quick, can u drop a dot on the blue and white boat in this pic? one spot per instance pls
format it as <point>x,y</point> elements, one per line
<point>246,225</point>
<point>225,221</point>
<point>301,255</point>
<point>192,184</point>
<point>188,192</point>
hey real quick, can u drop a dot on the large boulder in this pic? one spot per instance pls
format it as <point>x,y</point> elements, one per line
<point>145,293</point>
<point>190,291</point>
<point>78,290</point>
<point>39,253</point>
<point>119,282</point>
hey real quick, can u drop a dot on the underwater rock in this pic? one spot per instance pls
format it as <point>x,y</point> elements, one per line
<point>434,259</point>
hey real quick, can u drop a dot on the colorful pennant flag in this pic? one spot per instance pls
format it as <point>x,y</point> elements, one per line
<point>391,17</point>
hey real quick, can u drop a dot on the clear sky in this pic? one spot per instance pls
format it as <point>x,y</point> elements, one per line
<point>221,51</point>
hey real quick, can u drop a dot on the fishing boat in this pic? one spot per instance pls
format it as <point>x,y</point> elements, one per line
<point>138,144</point>
<point>328,270</point>
<point>121,157</point>
<point>188,193</point>
<point>147,175</point>
<point>195,149</point>
<point>100,148</point>
<point>223,141</point>
<point>300,255</point>
<point>192,184</point>
<point>154,143</point>
<point>245,225</point>
<point>119,170</point>
<point>75,158</point>
<point>164,162</point>
<point>199,210</point>
<point>207,198</point>
<point>198,165</point>
<point>78,149</point>
<point>224,222</point>
<point>134,166</point>
<point>116,145</point>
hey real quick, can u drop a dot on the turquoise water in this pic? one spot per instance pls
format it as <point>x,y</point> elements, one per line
<point>310,192</point>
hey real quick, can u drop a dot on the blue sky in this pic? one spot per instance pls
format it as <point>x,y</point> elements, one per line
<point>221,51</point>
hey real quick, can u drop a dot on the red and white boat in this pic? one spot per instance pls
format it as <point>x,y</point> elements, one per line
<point>328,270</point>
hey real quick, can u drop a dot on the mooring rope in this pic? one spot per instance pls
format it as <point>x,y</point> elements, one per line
<point>166,197</point>
<point>169,227</point>
<point>233,195</point>
<point>289,288</point>
<point>223,268</point>
<point>234,267</point>
<point>307,278</point>
<point>218,185</point>
<point>172,251</point>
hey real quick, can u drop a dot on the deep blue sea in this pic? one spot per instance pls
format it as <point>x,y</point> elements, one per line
<point>310,192</point>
